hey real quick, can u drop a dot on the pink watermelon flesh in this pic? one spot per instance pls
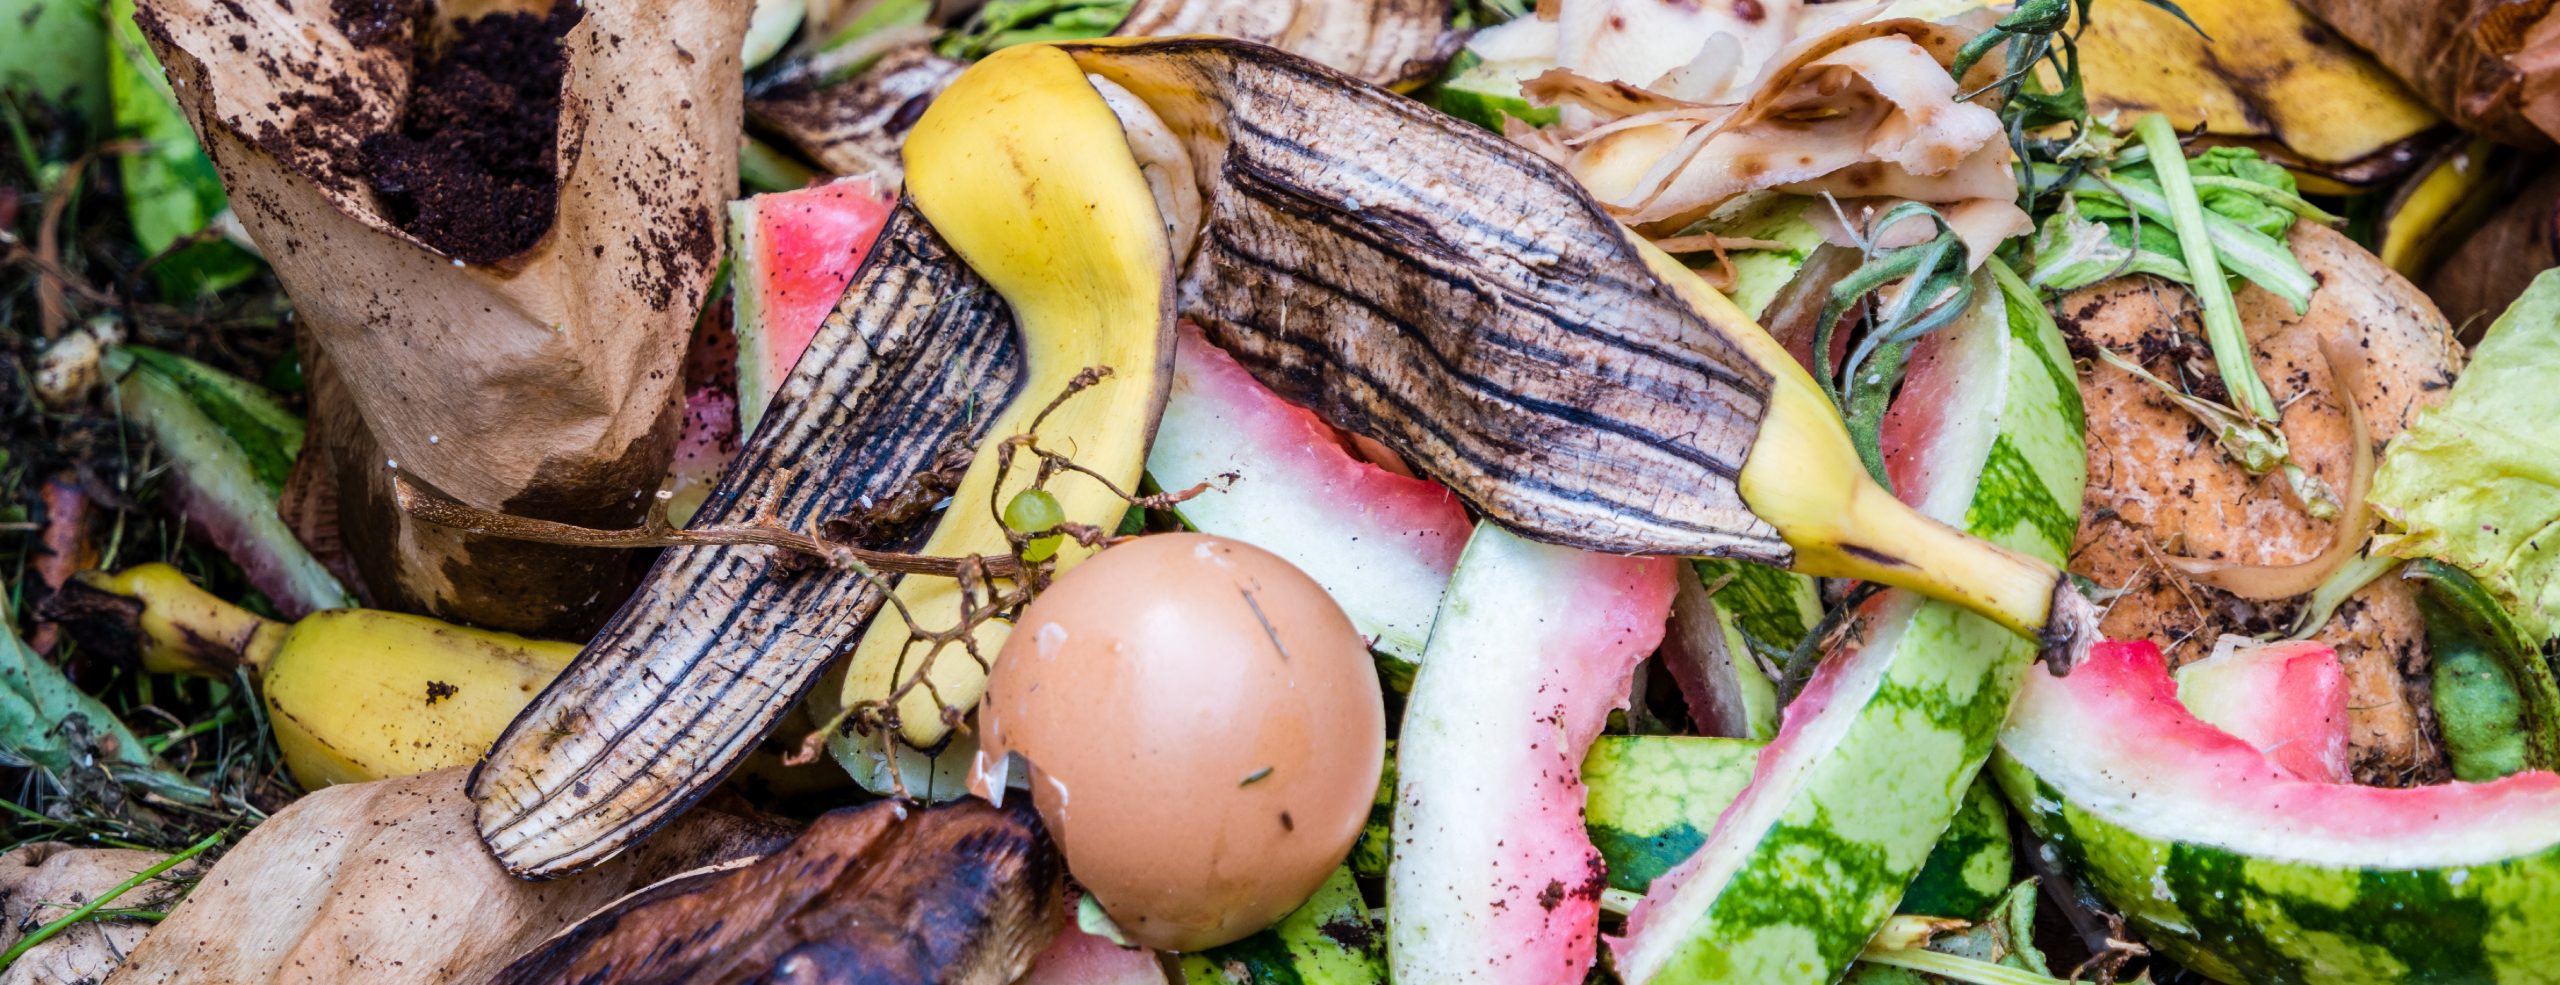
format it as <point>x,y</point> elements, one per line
<point>1381,543</point>
<point>1493,872</point>
<point>2287,699</point>
<point>1078,958</point>
<point>2114,738</point>
<point>793,253</point>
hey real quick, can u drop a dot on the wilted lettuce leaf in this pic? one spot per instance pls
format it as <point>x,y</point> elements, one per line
<point>47,723</point>
<point>2476,482</point>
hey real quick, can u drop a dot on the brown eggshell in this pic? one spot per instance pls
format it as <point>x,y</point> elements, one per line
<point>1203,729</point>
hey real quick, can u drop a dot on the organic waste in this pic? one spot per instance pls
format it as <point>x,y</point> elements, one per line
<point>1310,492</point>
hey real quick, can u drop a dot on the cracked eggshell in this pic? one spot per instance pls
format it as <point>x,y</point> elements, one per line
<point>1203,731</point>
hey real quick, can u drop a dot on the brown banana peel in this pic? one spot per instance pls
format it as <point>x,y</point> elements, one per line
<point>1406,276</point>
<point>2262,74</point>
<point>544,382</point>
<point>2491,66</point>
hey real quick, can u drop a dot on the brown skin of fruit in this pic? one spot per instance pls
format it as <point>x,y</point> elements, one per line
<point>2159,485</point>
<point>1203,728</point>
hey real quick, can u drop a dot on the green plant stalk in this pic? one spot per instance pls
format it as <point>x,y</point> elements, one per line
<point>1954,967</point>
<point>2204,268</point>
<point>2290,202</point>
<point>89,909</point>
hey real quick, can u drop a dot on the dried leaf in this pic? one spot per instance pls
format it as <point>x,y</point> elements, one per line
<point>385,883</point>
<point>45,881</point>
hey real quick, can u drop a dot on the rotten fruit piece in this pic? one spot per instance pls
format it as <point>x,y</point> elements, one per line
<point>1279,478</point>
<point>1492,877</point>
<point>352,694</point>
<point>1873,758</point>
<point>1110,689</point>
<point>1031,183</point>
<point>2159,486</point>
<point>2242,871</point>
<point>2287,699</point>
<point>495,300</point>
<point>962,894</point>
<point>791,255</point>
<point>2496,706</point>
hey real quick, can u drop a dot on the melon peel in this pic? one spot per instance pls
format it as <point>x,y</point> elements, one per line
<point>2237,868</point>
<point>1274,475</point>
<point>1873,759</point>
<point>2287,699</point>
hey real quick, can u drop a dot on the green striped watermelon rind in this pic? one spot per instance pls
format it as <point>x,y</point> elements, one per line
<point>1651,799</point>
<point>2248,874</point>
<point>1974,863</point>
<point>1848,801</point>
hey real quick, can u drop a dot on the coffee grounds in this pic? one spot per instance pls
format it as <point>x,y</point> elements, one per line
<point>470,170</point>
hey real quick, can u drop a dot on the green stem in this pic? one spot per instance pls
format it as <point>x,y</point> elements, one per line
<point>2288,201</point>
<point>2204,271</point>
<point>1954,967</point>
<point>91,908</point>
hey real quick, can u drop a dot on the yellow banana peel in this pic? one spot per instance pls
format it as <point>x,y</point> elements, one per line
<point>1023,170</point>
<point>352,694</point>
<point>2268,76</point>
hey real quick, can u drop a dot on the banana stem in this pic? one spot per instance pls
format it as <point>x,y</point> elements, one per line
<point>1804,479</point>
<point>178,628</point>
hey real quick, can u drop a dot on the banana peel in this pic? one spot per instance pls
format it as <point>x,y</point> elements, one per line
<point>2263,74</point>
<point>2443,201</point>
<point>1032,184</point>
<point>1502,334</point>
<point>352,694</point>
<point>720,643</point>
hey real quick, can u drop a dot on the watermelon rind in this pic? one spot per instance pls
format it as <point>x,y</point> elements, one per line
<point>2241,870</point>
<point>1279,478</point>
<point>1328,940</point>
<point>1875,756</point>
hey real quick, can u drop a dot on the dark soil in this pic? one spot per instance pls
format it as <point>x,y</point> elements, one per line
<point>471,169</point>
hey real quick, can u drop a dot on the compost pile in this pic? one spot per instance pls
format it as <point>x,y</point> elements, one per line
<point>1088,492</point>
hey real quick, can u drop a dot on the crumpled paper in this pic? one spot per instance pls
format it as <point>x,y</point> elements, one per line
<point>544,383</point>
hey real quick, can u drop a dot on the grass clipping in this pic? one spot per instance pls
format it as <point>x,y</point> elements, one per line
<point>496,234</point>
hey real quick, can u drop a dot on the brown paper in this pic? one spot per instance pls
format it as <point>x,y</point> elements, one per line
<point>544,383</point>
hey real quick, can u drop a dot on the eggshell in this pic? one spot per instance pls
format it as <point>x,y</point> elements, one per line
<point>1203,731</point>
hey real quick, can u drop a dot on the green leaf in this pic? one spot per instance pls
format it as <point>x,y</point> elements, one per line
<point>52,725</point>
<point>54,50</point>
<point>2476,482</point>
<point>170,188</point>
<point>1005,23</point>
